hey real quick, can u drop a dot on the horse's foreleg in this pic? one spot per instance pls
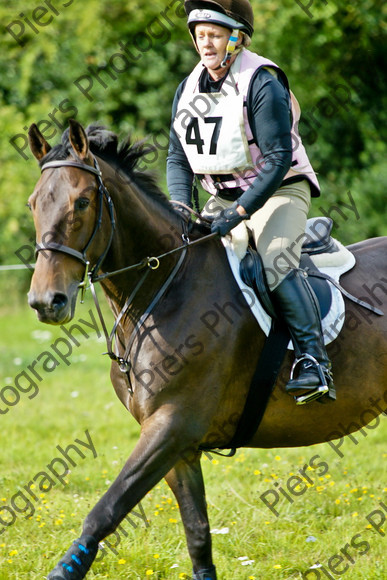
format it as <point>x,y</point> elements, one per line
<point>162,443</point>
<point>186,482</point>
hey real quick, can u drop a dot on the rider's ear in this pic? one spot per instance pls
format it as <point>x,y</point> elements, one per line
<point>78,140</point>
<point>37,142</point>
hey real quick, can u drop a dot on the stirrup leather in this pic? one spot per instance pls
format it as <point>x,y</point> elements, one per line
<point>325,380</point>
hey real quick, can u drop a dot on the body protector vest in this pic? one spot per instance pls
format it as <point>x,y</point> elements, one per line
<point>215,133</point>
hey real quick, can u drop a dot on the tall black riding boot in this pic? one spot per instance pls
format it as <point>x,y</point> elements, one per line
<point>299,307</point>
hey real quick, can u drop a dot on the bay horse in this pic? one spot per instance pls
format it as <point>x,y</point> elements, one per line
<point>191,342</point>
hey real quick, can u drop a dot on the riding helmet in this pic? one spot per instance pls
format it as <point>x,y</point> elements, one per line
<point>238,14</point>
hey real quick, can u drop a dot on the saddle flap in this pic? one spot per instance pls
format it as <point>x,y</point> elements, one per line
<point>320,286</point>
<point>252,273</point>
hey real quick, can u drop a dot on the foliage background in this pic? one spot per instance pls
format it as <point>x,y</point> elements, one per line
<point>332,52</point>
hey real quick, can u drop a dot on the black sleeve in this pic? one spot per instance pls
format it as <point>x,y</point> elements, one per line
<point>179,173</point>
<point>270,120</point>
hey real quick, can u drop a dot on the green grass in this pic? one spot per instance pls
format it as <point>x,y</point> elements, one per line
<point>327,518</point>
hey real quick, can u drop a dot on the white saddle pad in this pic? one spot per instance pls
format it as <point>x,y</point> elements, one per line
<point>334,264</point>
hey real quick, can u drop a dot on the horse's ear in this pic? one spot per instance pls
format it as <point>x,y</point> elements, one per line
<point>78,140</point>
<point>37,142</point>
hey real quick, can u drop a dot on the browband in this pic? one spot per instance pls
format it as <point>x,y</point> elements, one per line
<point>61,163</point>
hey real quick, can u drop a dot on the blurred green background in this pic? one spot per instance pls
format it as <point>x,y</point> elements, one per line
<point>119,62</point>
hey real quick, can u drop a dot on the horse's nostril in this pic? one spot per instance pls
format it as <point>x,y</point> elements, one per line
<point>59,301</point>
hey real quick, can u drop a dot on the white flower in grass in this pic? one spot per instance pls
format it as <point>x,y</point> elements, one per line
<point>221,531</point>
<point>244,560</point>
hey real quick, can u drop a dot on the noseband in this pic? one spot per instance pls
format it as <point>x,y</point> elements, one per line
<point>102,194</point>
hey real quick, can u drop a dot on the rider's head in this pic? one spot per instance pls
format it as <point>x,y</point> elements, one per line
<point>235,16</point>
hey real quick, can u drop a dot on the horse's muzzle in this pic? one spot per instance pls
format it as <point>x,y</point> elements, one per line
<point>52,307</point>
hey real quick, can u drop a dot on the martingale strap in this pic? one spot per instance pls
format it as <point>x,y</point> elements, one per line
<point>124,361</point>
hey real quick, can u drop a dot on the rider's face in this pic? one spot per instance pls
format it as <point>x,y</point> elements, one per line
<point>211,41</point>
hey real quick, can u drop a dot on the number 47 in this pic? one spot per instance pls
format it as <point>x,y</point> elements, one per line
<point>192,136</point>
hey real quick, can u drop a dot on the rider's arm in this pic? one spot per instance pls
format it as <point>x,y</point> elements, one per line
<point>179,173</point>
<point>270,122</point>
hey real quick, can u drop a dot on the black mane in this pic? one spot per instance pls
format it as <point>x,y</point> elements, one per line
<point>124,156</point>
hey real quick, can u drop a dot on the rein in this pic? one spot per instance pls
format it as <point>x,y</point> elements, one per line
<point>91,275</point>
<point>153,262</point>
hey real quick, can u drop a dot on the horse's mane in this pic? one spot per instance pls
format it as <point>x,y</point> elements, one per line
<point>124,156</point>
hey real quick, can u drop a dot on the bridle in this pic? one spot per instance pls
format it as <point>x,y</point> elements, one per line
<point>102,194</point>
<point>91,275</point>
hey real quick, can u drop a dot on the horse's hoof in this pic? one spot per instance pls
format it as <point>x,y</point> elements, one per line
<point>77,561</point>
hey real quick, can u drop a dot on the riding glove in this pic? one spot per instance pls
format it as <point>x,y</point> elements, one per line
<point>227,219</point>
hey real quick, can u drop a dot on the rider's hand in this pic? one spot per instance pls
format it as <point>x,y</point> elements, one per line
<point>228,219</point>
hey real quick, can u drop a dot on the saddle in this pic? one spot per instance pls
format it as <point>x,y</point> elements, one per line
<point>318,241</point>
<point>323,260</point>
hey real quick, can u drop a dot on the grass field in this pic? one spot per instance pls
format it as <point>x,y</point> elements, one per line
<point>322,523</point>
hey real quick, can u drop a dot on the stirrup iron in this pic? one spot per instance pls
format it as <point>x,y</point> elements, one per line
<point>323,389</point>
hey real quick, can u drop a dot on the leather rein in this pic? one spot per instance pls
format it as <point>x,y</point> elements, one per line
<point>91,275</point>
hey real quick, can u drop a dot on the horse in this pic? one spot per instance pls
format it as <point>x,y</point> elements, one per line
<point>186,343</point>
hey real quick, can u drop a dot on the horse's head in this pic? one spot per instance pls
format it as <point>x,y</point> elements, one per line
<point>67,205</point>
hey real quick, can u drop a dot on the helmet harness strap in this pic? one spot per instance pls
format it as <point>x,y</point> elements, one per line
<point>230,47</point>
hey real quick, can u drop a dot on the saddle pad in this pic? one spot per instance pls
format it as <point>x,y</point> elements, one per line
<point>334,264</point>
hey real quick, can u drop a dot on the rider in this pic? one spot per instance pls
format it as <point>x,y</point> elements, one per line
<point>235,129</point>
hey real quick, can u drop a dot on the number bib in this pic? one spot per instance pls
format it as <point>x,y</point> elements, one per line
<point>215,133</point>
<point>211,129</point>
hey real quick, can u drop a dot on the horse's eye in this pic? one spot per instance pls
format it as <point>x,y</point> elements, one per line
<point>28,205</point>
<point>82,203</point>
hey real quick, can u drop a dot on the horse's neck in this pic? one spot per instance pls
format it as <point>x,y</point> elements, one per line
<point>144,228</point>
